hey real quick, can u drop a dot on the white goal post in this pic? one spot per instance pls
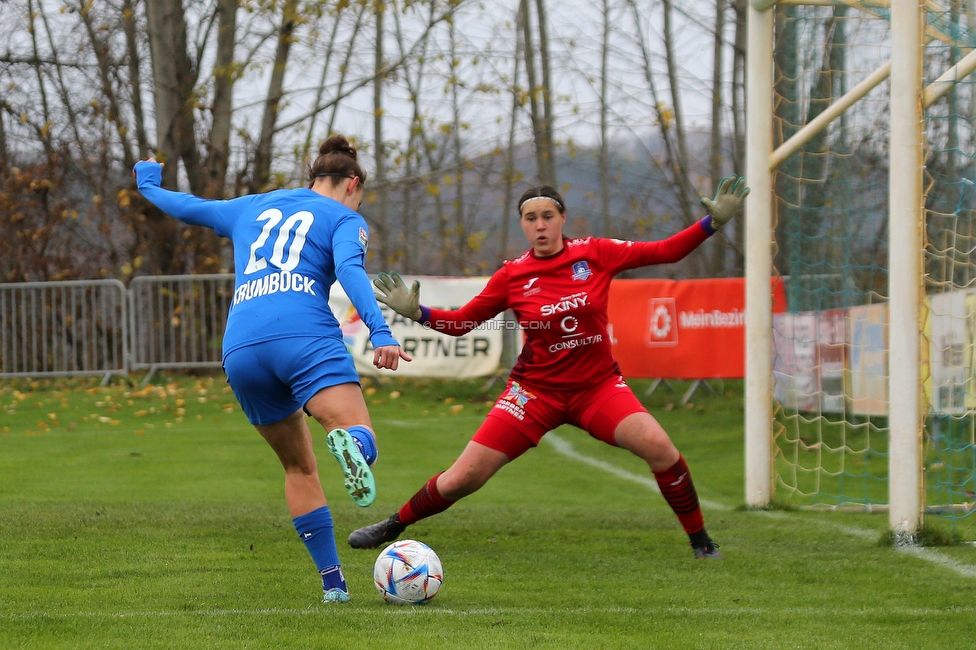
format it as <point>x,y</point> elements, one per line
<point>906,289</point>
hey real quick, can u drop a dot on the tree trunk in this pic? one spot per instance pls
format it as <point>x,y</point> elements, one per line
<point>549,178</point>
<point>105,67</point>
<point>604,110</point>
<point>664,120</point>
<point>65,91</point>
<point>380,216</point>
<point>135,77</point>
<point>3,146</point>
<point>510,172</point>
<point>716,157</point>
<point>44,130</point>
<point>459,218</point>
<point>263,153</point>
<point>218,156</point>
<point>311,135</point>
<point>173,80</point>
<point>738,121</point>
<point>681,171</point>
<point>344,68</point>
<point>538,126</point>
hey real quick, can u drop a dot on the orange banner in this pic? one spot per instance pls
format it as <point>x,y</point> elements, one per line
<point>681,329</point>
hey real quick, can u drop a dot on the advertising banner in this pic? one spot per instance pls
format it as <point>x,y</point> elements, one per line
<point>832,359</point>
<point>869,359</point>
<point>475,354</point>
<point>795,373</point>
<point>948,328</point>
<point>681,329</point>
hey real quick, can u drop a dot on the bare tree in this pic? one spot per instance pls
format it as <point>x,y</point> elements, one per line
<point>272,102</point>
<point>738,119</point>
<point>460,227</point>
<point>538,89</point>
<point>548,141</point>
<point>225,75</point>
<point>604,111</point>
<point>518,102</point>
<point>716,153</point>
<point>686,192</point>
<point>458,114</point>
<point>380,215</point>
<point>134,59</point>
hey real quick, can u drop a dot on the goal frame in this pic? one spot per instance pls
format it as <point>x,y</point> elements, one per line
<point>908,99</point>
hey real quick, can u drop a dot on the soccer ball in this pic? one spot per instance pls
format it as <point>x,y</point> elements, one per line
<point>408,572</point>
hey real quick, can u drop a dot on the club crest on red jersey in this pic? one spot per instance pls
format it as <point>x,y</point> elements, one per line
<point>581,271</point>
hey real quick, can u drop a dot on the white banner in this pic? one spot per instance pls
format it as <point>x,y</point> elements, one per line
<point>947,325</point>
<point>869,359</point>
<point>475,354</point>
<point>795,368</point>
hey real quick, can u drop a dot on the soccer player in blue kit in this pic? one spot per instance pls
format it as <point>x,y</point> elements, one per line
<point>283,351</point>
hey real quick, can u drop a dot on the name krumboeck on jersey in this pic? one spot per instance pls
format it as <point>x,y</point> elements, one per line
<point>280,282</point>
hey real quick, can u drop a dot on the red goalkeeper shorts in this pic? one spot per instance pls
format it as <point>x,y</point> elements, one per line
<point>523,414</point>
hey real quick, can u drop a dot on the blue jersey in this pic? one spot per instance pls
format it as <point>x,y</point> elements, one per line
<point>290,246</point>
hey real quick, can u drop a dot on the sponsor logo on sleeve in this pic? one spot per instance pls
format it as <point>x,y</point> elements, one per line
<point>363,239</point>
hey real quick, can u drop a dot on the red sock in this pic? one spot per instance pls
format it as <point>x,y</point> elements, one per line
<point>679,491</point>
<point>426,503</point>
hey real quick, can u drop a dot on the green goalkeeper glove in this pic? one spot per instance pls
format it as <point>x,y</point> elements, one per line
<point>729,197</point>
<point>393,293</point>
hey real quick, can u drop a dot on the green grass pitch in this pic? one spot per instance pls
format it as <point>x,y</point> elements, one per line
<point>154,518</point>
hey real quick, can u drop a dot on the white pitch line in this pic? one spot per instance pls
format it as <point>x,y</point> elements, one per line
<point>566,448</point>
<point>434,610</point>
<point>929,555</point>
<point>944,561</point>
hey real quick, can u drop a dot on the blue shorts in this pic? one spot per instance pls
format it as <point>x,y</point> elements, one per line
<point>273,379</point>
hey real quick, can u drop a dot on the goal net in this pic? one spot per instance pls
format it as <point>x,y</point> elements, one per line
<point>830,216</point>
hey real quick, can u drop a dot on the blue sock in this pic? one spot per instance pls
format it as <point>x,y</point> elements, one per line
<point>364,439</point>
<point>332,578</point>
<point>316,530</point>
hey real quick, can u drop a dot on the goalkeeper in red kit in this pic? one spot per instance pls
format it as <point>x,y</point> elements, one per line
<point>559,290</point>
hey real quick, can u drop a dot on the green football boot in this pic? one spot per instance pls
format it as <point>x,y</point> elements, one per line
<point>359,480</point>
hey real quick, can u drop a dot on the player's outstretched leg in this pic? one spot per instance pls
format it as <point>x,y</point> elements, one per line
<point>679,491</point>
<point>379,533</point>
<point>704,547</point>
<point>427,502</point>
<point>359,480</point>
<point>642,435</point>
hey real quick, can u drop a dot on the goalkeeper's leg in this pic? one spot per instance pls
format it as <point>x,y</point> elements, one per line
<point>493,446</point>
<point>623,421</point>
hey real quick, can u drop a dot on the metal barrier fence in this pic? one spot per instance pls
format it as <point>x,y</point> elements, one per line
<point>63,328</point>
<point>98,327</point>
<point>177,321</point>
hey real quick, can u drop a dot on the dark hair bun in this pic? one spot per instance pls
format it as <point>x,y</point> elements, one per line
<point>337,160</point>
<point>337,144</point>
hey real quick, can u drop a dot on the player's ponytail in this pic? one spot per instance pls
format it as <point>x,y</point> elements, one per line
<point>337,159</point>
<point>542,192</point>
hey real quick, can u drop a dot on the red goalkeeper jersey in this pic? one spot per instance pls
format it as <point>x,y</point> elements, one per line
<point>561,304</point>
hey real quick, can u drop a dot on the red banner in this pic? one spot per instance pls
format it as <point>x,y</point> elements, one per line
<point>681,329</point>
